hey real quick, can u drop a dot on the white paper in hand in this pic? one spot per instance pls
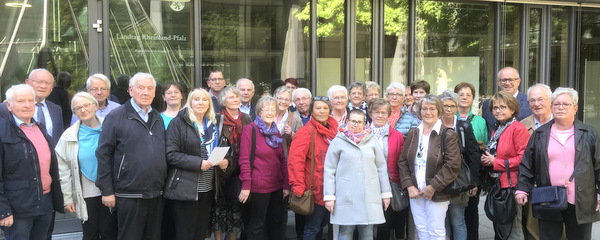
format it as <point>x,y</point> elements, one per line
<point>218,154</point>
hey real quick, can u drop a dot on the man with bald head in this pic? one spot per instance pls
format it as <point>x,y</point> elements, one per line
<point>246,88</point>
<point>508,81</point>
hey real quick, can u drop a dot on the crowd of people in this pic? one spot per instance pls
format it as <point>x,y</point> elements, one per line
<point>128,171</point>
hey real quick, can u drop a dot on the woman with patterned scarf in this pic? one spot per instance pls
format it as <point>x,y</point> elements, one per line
<point>226,215</point>
<point>508,142</point>
<point>356,186</point>
<point>264,177</point>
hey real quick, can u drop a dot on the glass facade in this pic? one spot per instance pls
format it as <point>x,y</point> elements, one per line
<point>589,66</point>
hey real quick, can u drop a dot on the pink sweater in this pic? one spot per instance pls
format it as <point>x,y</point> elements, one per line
<point>35,135</point>
<point>561,160</point>
<point>270,166</point>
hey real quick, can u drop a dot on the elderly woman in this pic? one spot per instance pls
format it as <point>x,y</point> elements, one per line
<point>426,169</point>
<point>400,118</point>
<point>556,151</point>
<point>338,96</point>
<point>408,98</point>
<point>265,177</point>
<point>469,149</point>
<point>508,142</point>
<point>191,180</point>
<point>373,90</point>
<point>358,92</point>
<point>77,170</point>
<point>288,122</point>
<point>355,177</point>
<point>391,142</point>
<point>226,216</point>
<point>324,128</point>
<point>173,95</point>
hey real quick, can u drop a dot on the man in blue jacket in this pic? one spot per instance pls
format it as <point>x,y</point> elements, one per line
<point>29,182</point>
<point>132,165</point>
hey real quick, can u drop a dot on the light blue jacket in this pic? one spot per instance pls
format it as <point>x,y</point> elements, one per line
<point>406,122</point>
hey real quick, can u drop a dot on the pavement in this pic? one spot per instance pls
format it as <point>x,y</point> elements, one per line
<point>486,231</point>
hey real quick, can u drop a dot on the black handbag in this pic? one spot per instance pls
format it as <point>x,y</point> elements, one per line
<point>500,204</point>
<point>462,183</point>
<point>551,198</point>
<point>399,198</point>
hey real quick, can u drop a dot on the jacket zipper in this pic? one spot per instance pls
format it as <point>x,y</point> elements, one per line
<point>121,166</point>
<point>173,179</point>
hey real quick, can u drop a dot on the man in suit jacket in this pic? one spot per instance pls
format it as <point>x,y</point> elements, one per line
<point>246,88</point>
<point>508,81</point>
<point>42,82</point>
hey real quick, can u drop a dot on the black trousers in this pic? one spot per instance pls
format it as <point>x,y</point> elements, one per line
<point>139,218</point>
<point>101,223</point>
<point>262,218</point>
<point>393,220</point>
<point>191,218</point>
<point>472,216</point>
<point>552,230</point>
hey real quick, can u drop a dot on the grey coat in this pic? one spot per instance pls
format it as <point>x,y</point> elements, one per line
<point>356,177</point>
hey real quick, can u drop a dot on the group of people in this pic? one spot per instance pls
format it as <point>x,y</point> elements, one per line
<point>130,172</point>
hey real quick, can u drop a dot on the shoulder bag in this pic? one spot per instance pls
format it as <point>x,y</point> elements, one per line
<point>462,182</point>
<point>399,197</point>
<point>551,198</point>
<point>500,204</point>
<point>304,204</point>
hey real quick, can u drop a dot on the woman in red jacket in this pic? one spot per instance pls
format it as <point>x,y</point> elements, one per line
<point>391,142</point>
<point>508,142</point>
<point>299,160</point>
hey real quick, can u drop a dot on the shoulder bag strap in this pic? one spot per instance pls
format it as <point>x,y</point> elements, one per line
<point>312,159</point>
<point>220,124</point>
<point>572,174</point>
<point>507,172</point>
<point>290,118</point>
<point>252,149</point>
<point>443,142</point>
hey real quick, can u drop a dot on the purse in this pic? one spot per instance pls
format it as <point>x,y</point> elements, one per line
<point>500,204</point>
<point>399,197</point>
<point>462,182</point>
<point>304,204</point>
<point>551,198</point>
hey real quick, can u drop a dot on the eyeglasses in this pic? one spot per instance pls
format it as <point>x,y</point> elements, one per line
<point>356,123</point>
<point>82,107</point>
<point>321,98</point>
<point>507,80</point>
<point>501,108</point>
<point>98,89</point>
<point>449,106</point>
<point>270,110</point>
<point>283,99</point>
<point>428,109</point>
<point>379,113</point>
<point>539,100</point>
<point>40,82</point>
<point>393,95</point>
<point>216,79</point>
<point>562,105</point>
<point>339,98</point>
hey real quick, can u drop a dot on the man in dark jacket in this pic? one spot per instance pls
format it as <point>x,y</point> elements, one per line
<point>132,165</point>
<point>29,181</point>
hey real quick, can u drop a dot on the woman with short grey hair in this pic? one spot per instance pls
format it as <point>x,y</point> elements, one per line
<point>287,122</point>
<point>338,96</point>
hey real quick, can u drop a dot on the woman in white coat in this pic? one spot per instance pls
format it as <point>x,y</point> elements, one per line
<point>356,185</point>
<point>77,164</point>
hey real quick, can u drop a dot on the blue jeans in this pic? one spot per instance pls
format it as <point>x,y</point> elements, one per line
<point>365,232</point>
<point>315,222</point>
<point>455,222</point>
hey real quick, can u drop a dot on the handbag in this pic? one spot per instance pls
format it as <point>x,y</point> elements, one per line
<point>304,204</point>
<point>551,198</point>
<point>462,182</point>
<point>399,198</point>
<point>500,204</point>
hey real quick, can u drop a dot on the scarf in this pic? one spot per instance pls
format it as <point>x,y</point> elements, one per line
<point>235,126</point>
<point>379,132</point>
<point>88,142</point>
<point>356,137</point>
<point>270,133</point>
<point>329,131</point>
<point>362,107</point>
<point>498,130</point>
<point>209,135</point>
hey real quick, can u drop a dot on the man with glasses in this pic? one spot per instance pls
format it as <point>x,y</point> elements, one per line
<point>508,81</point>
<point>301,98</point>
<point>99,86</point>
<point>246,88</point>
<point>216,82</point>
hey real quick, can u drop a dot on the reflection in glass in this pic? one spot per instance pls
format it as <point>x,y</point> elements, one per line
<point>558,48</point>
<point>533,56</point>
<point>363,40</point>
<point>453,44</point>
<point>152,36</point>
<point>590,66</point>
<point>395,42</point>
<point>509,37</point>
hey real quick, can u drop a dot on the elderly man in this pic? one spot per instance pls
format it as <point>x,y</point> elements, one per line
<point>99,86</point>
<point>246,88</point>
<point>132,166</point>
<point>29,179</point>
<point>302,98</point>
<point>46,112</point>
<point>509,81</point>
<point>216,82</point>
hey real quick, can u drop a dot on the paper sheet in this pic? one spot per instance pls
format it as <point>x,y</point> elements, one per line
<point>218,154</point>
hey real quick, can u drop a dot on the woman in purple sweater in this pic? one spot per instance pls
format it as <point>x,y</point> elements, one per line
<point>264,178</point>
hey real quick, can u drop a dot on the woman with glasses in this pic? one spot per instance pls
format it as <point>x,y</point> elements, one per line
<point>455,217</point>
<point>426,169</point>
<point>356,187</point>
<point>400,118</point>
<point>508,141</point>
<point>566,147</point>
<point>338,96</point>
<point>288,122</point>
<point>265,177</point>
<point>77,166</point>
